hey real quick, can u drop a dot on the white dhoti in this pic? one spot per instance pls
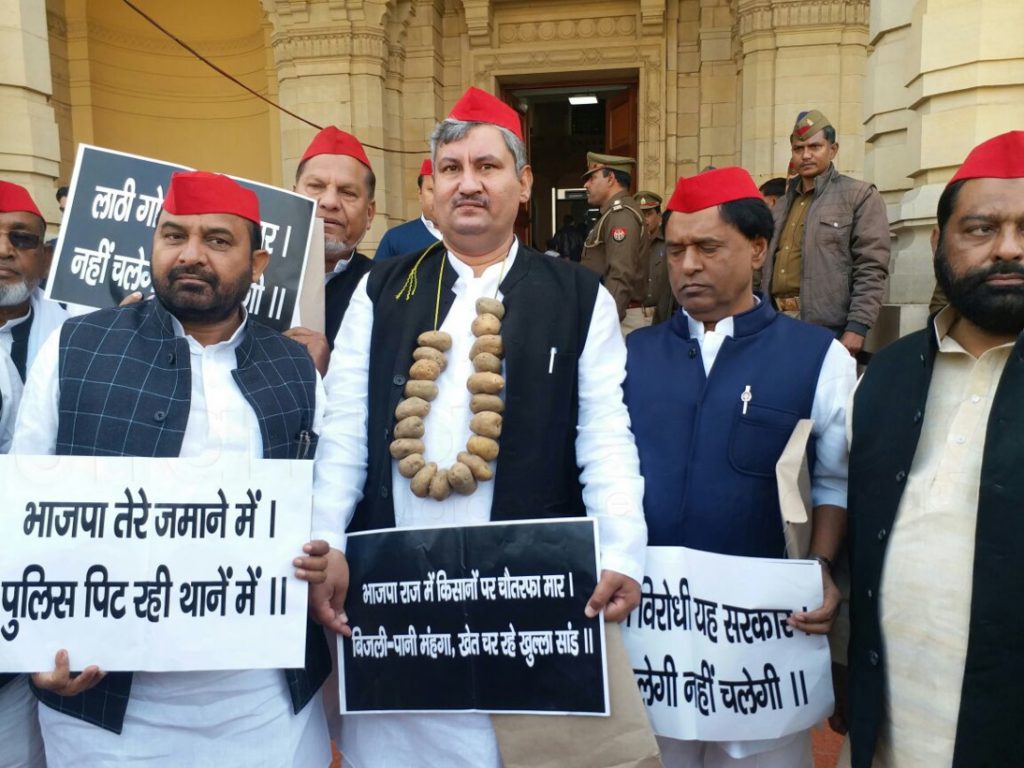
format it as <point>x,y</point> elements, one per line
<point>21,746</point>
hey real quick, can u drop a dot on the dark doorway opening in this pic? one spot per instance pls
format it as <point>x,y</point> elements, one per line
<point>559,134</point>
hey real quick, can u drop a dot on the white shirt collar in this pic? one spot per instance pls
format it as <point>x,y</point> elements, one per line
<point>195,346</point>
<point>724,327</point>
<point>434,231</point>
<point>465,271</point>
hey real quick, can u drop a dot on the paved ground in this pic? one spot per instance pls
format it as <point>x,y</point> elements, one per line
<point>826,749</point>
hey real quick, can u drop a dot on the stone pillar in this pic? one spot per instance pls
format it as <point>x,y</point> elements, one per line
<point>29,147</point>
<point>332,66</point>
<point>943,77</point>
<point>798,55</point>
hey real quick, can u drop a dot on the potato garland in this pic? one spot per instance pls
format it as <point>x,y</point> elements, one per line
<point>485,384</point>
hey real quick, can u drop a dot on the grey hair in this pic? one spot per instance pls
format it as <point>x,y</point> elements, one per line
<point>449,131</point>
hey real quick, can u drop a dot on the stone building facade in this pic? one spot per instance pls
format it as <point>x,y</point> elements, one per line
<point>910,84</point>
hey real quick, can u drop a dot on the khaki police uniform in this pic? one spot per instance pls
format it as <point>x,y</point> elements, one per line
<point>615,245</point>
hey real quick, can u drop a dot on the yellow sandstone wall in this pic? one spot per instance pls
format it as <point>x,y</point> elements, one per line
<point>943,76</point>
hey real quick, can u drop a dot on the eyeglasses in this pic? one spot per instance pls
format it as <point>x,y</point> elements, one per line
<point>24,241</point>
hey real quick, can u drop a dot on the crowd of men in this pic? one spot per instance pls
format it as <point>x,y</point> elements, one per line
<point>650,387</point>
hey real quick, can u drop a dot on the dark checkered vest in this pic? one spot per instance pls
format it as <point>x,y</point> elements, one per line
<point>125,390</point>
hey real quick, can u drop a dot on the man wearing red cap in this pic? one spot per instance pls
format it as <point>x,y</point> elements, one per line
<point>415,234</point>
<point>26,317</point>
<point>829,257</point>
<point>335,171</point>
<point>936,532</point>
<point>565,444</point>
<point>185,374</point>
<point>26,320</point>
<point>714,395</point>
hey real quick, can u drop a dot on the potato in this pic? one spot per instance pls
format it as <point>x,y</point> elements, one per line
<point>490,306</point>
<point>424,370</point>
<point>411,464</point>
<point>478,403</point>
<point>440,488</point>
<point>484,447</point>
<point>412,406</point>
<point>429,353</point>
<point>485,325</point>
<point>420,483</point>
<point>413,427</point>
<point>485,383</point>
<point>425,390</point>
<point>406,446</point>
<point>461,479</point>
<point>485,424</point>
<point>489,343</point>
<point>481,469</point>
<point>485,362</point>
<point>439,340</point>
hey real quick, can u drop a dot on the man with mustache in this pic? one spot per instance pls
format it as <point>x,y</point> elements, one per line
<point>829,257</point>
<point>27,320</point>
<point>335,171</point>
<point>565,445</point>
<point>185,374</point>
<point>714,395</point>
<point>26,317</point>
<point>936,531</point>
<point>615,246</point>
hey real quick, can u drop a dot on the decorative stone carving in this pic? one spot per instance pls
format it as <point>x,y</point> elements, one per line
<point>773,15</point>
<point>567,29</point>
<point>478,21</point>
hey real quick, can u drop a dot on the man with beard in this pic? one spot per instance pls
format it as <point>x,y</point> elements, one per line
<point>188,375</point>
<point>335,171</point>
<point>26,317</point>
<point>565,444</point>
<point>936,531</point>
<point>415,234</point>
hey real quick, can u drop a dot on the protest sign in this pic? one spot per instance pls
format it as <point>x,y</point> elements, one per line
<point>713,654</point>
<point>106,237</point>
<point>152,564</point>
<point>483,618</point>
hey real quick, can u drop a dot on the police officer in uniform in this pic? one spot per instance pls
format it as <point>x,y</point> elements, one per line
<point>658,302</point>
<point>618,240</point>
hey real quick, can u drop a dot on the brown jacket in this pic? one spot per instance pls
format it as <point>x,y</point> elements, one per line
<point>614,248</point>
<point>845,252</point>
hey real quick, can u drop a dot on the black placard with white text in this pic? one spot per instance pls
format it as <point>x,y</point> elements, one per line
<point>486,618</point>
<point>106,237</point>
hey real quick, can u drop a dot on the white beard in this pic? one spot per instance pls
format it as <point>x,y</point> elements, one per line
<point>13,294</point>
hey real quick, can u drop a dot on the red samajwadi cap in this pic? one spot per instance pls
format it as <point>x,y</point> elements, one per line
<point>1001,157</point>
<point>722,185</point>
<point>334,141</point>
<point>195,192</point>
<point>478,106</point>
<point>14,198</point>
<point>426,168</point>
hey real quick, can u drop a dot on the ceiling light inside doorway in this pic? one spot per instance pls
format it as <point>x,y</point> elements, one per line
<point>581,99</point>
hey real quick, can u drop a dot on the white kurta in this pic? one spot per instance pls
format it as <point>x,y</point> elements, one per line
<point>184,718</point>
<point>925,592</point>
<point>613,489</point>
<point>10,391</point>
<point>20,743</point>
<point>836,381</point>
<point>46,316</point>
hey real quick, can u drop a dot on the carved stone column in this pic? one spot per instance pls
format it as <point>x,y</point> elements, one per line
<point>799,55</point>
<point>942,77</point>
<point>332,60</point>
